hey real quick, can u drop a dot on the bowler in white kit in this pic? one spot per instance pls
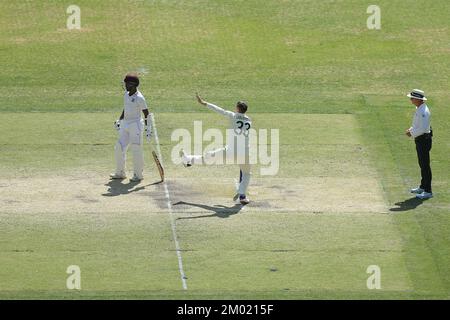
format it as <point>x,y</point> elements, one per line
<point>240,125</point>
<point>131,128</point>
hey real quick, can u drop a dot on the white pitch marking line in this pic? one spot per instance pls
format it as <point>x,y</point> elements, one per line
<point>169,206</point>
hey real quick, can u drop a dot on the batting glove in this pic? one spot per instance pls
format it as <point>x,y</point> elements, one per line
<point>148,133</point>
<point>117,125</point>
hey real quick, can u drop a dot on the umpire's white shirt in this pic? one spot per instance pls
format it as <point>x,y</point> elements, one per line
<point>133,106</point>
<point>421,122</point>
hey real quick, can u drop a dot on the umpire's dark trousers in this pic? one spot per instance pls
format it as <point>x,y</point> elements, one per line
<point>423,147</point>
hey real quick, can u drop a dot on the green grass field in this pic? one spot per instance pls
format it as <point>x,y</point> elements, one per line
<point>334,89</point>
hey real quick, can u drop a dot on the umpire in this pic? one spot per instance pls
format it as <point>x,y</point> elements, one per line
<point>422,133</point>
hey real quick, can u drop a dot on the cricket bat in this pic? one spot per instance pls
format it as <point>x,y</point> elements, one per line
<point>151,119</point>
<point>158,165</point>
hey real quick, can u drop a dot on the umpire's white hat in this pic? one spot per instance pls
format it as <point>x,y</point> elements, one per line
<point>417,94</point>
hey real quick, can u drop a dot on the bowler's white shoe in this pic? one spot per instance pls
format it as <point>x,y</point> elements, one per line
<point>425,195</point>
<point>187,162</point>
<point>417,190</point>
<point>118,176</point>
<point>136,178</point>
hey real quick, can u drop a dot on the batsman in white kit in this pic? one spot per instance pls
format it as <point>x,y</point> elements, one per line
<point>240,125</point>
<point>131,128</point>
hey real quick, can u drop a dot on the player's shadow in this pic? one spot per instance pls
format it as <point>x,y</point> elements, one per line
<point>409,204</point>
<point>117,187</point>
<point>220,211</point>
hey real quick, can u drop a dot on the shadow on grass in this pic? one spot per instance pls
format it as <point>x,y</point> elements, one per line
<point>220,211</point>
<point>409,204</point>
<point>117,187</point>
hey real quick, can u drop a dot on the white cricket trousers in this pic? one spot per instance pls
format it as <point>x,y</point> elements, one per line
<point>130,134</point>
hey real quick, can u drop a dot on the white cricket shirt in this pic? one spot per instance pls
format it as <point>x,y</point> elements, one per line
<point>421,122</point>
<point>240,125</point>
<point>239,122</point>
<point>133,106</point>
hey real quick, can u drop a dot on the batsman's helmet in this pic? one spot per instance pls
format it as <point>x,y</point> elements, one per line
<point>132,78</point>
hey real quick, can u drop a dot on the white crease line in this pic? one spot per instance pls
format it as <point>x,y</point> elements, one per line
<point>169,206</point>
